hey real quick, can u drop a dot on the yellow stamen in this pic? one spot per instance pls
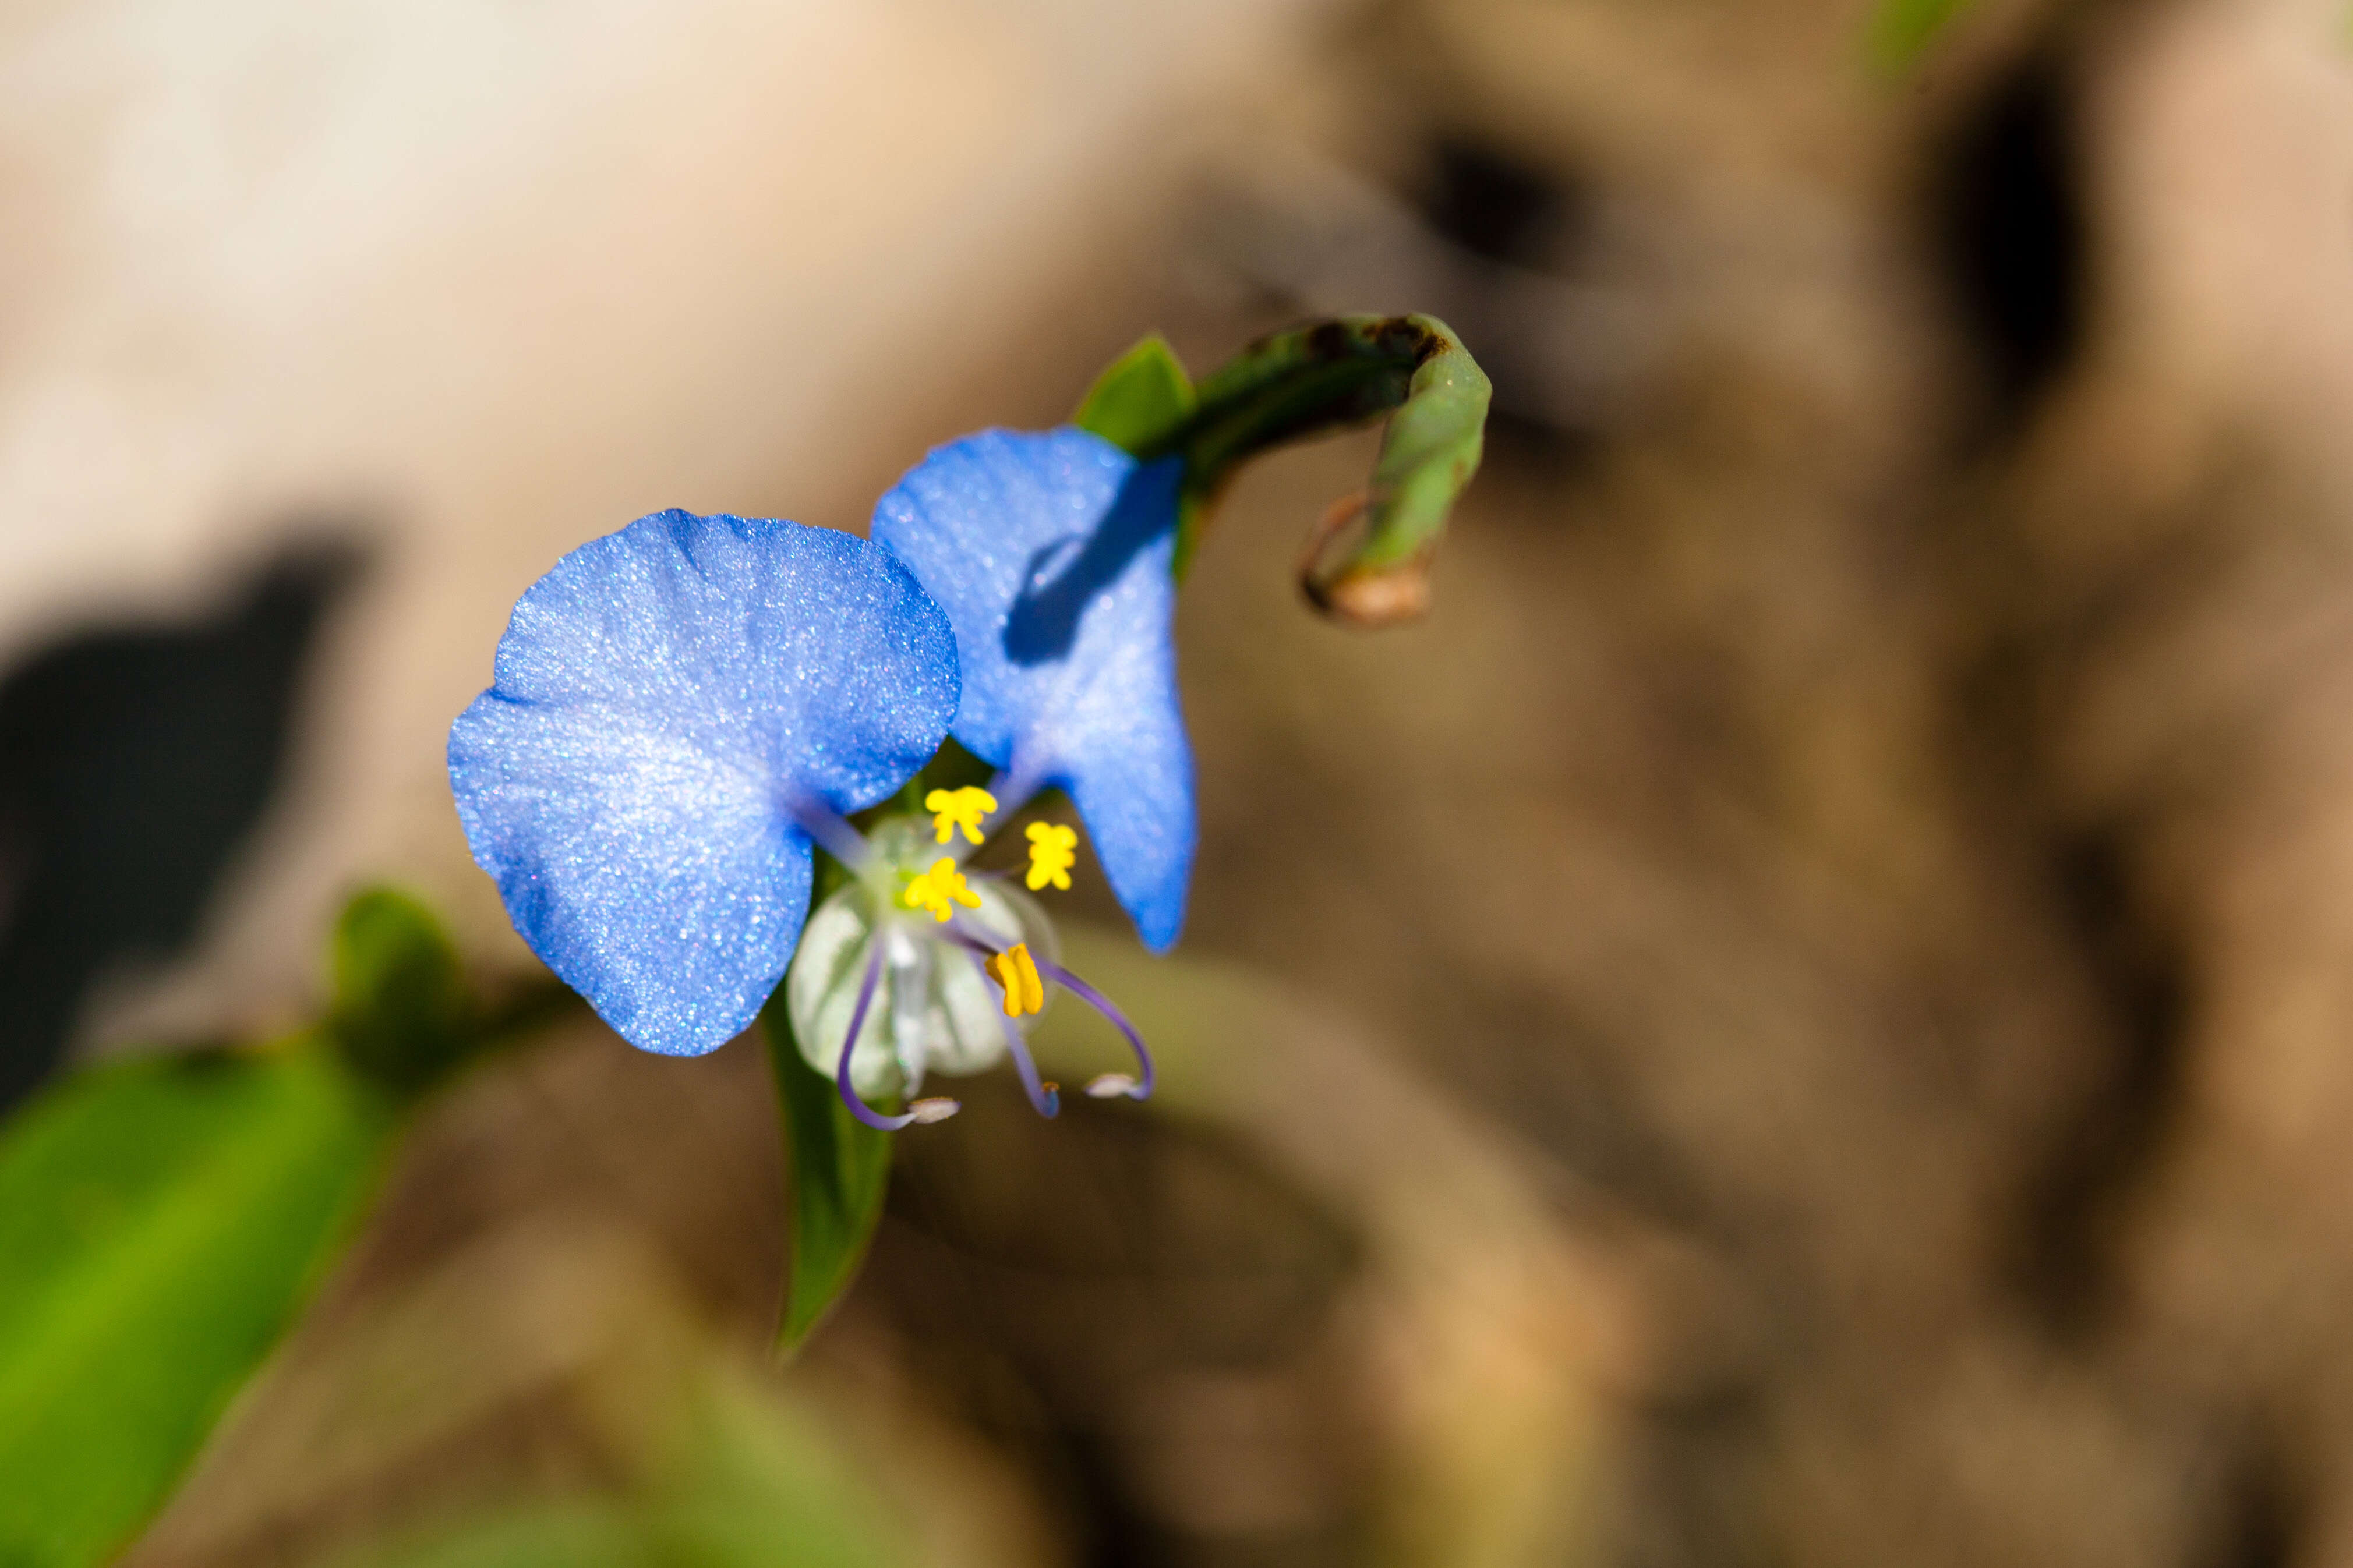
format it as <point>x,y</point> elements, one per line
<point>938,888</point>
<point>1052,849</point>
<point>954,808</point>
<point>1015,971</point>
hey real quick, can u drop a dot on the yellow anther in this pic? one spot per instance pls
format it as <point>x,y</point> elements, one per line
<point>938,888</point>
<point>1015,971</point>
<point>1052,849</point>
<point>954,808</point>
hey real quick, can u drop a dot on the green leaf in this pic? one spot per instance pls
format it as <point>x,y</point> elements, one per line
<point>840,1172</point>
<point>160,1221</point>
<point>747,1482</point>
<point>402,1014</point>
<point>1141,401</point>
<point>1902,30</point>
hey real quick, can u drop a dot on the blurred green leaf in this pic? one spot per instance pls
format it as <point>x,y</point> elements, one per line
<point>748,1484</point>
<point>160,1221</point>
<point>579,1533</point>
<point>614,1533</point>
<point>1902,30</point>
<point>839,1173</point>
<point>402,1014</point>
<point>1141,402</point>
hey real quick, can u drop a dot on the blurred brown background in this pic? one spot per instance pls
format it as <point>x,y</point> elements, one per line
<point>1802,1019</point>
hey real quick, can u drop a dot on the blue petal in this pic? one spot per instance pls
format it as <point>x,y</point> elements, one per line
<point>1051,554</point>
<point>660,698</point>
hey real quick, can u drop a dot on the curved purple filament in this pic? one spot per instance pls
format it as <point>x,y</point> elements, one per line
<point>1045,1097</point>
<point>859,1107</point>
<point>1141,1088</point>
<point>1103,1003</point>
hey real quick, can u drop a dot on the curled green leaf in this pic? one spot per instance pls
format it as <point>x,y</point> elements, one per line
<point>1369,561</point>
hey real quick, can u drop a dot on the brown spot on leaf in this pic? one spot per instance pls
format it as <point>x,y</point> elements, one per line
<point>1374,600</point>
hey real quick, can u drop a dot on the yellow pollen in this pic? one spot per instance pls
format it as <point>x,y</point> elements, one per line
<point>938,888</point>
<point>954,808</point>
<point>1052,849</point>
<point>1015,971</point>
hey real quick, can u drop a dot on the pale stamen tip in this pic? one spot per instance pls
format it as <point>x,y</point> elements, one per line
<point>929,1111</point>
<point>1115,1086</point>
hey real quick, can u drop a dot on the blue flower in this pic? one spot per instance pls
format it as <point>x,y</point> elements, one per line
<point>674,705</point>
<point>1052,553</point>
<point>682,708</point>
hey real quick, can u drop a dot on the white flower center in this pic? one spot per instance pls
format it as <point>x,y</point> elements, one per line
<point>933,1009</point>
